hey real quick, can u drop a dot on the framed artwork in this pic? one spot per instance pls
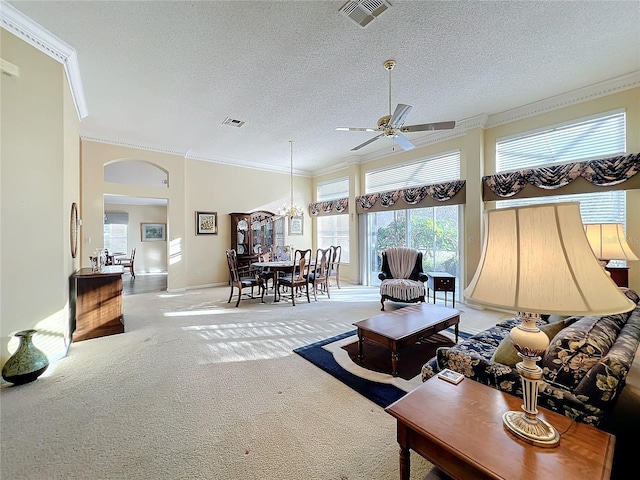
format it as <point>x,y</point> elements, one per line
<point>206,223</point>
<point>296,225</point>
<point>154,232</point>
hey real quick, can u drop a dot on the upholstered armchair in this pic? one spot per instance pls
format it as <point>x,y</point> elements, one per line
<point>402,276</point>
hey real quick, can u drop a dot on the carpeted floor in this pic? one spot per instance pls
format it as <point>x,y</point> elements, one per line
<point>198,389</point>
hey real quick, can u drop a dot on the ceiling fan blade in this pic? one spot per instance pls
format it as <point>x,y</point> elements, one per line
<point>404,142</point>
<point>428,127</point>
<point>354,129</point>
<point>400,114</point>
<point>371,140</point>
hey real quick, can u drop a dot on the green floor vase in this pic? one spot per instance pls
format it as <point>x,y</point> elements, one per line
<point>27,363</point>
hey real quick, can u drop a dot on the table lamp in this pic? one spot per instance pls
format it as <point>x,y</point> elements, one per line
<point>536,259</point>
<point>608,242</point>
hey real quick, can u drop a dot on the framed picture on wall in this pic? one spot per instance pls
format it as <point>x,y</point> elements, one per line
<point>296,225</point>
<point>154,232</point>
<point>206,223</point>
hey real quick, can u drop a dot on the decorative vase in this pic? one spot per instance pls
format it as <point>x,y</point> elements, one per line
<point>27,363</point>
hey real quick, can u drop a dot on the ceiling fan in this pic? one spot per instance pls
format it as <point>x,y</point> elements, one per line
<point>393,125</point>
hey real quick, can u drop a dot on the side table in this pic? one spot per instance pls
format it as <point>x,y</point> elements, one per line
<point>459,429</point>
<point>441,282</point>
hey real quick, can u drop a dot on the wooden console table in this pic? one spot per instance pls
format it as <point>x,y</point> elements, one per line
<point>459,429</point>
<point>98,298</point>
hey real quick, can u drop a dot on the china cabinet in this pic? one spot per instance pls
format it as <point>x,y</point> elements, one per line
<point>255,232</point>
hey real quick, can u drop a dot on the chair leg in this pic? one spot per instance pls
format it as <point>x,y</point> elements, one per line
<point>382,302</point>
<point>230,294</point>
<point>338,281</point>
<point>239,296</point>
<point>327,287</point>
<point>308,298</point>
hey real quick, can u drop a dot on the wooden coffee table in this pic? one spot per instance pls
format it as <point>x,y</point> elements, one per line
<point>459,429</point>
<point>406,326</point>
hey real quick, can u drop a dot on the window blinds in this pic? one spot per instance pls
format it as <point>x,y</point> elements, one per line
<point>333,190</point>
<point>587,138</point>
<point>601,136</point>
<point>428,171</point>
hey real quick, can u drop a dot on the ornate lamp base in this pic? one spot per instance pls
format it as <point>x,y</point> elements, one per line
<point>532,430</point>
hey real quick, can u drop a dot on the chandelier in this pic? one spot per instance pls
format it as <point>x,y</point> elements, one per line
<point>291,210</point>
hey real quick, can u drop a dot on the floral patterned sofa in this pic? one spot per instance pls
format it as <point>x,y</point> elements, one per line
<point>584,368</point>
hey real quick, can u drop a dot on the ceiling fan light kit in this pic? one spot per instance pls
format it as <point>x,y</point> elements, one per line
<point>393,125</point>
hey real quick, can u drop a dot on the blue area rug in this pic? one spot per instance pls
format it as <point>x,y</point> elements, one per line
<point>381,394</point>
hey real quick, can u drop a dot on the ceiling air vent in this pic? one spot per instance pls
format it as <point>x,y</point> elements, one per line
<point>233,122</point>
<point>364,11</point>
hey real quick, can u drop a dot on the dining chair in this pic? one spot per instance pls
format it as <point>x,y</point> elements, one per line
<point>334,266</point>
<point>127,262</point>
<point>241,277</point>
<point>265,273</point>
<point>319,276</point>
<point>297,277</point>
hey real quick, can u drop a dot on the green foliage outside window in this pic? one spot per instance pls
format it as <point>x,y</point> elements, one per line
<point>436,239</point>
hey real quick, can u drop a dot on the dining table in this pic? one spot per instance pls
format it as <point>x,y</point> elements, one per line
<point>276,267</point>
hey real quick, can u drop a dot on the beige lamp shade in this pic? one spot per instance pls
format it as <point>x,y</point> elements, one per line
<point>608,242</point>
<point>537,259</point>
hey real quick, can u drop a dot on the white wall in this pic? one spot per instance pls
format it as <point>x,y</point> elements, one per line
<point>39,179</point>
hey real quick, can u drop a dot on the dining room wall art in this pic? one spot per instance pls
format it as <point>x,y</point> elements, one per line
<point>296,225</point>
<point>154,232</point>
<point>206,223</point>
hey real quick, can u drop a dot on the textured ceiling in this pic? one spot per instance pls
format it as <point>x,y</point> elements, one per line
<point>165,75</point>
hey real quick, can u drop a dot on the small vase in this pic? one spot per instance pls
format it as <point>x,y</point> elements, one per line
<point>27,363</point>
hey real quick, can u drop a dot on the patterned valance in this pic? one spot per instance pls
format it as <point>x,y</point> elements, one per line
<point>424,195</point>
<point>602,173</point>
<point>330,207</point>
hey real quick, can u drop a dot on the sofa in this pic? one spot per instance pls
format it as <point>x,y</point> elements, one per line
<point>584,369</point>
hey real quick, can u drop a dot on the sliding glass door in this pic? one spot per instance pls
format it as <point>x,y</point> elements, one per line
<point>434,231</point>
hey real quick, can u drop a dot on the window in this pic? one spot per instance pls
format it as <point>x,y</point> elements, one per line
<point>436,169</point>
<point>586,138</point>
<point>115,231</point>
<point>333,229</point>
<point>434,231</point>
<point>599,136</point>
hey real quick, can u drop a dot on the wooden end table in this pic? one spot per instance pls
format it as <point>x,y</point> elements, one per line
<point>441,282</point>
<point>406,326</point>
<point>459,429</point>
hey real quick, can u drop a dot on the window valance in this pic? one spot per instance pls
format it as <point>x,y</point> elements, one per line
<point>453,193</point>
<point>330,207</point>
<point>605,172</point>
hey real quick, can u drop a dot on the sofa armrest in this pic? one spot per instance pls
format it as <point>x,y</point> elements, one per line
<point>422,277</point>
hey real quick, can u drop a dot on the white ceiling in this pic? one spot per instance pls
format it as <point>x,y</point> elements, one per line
<point>165,74</point>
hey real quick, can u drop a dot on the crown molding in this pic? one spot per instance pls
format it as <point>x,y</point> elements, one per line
<point>26,29</point>
<point>203,158</point>
<point>234,162</point>
<point>608,87</point>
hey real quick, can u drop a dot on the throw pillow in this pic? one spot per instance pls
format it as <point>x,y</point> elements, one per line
<point>507,354</point>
